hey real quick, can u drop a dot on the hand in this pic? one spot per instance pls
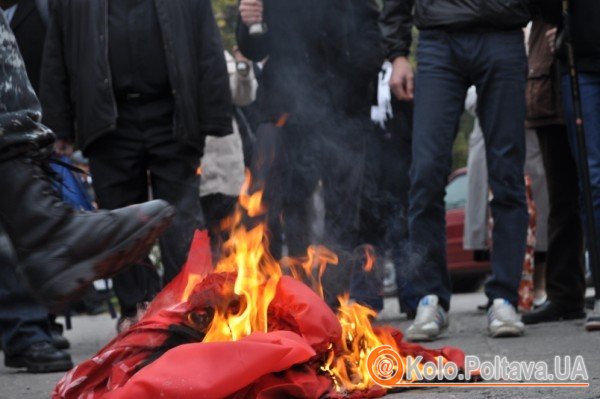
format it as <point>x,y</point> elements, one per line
<point>238,56</point>
<point>551,39</point>
<point>63,147</point>
<point>402,80</point>
<point>251,11</point>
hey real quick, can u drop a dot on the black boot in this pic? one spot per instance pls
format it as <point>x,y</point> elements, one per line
<point>60,251</point>
<point>550,311</point>
<point>41,357</point>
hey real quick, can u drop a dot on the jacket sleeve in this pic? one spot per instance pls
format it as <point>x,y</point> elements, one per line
<point>367,52</point>
<point>396,25</point>
<point>55,96</point>
<point>215,99</point>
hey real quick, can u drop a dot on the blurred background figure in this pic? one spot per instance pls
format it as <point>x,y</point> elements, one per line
<point>315,98</point>
<point>150,86</point>
<point>222,165</point>
<point>584,35</point>
<point>564,274</point>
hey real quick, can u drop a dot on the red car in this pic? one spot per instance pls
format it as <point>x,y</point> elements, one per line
<point>467,268</point>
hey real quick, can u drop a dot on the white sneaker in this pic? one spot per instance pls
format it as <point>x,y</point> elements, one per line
<point>503,320</point>
<point>592,322</point>
<point>431,320</point>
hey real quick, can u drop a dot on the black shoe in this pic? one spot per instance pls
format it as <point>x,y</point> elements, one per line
<point>40,358</point>
<point>551,311</point>
<point>59,341</point>
<point>60,251</point>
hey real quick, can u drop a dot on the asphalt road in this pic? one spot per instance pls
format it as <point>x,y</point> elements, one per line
<point>467,331</point>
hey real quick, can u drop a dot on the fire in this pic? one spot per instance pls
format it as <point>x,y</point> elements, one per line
<point>349,367</point>
<point>257,276</point>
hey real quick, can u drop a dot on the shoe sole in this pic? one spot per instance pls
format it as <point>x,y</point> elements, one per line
<point>568,316</point>
<point>51,367</point>
<point>592,326</point>
<point>425,337</point>
<point>75,280</point>
<point>506,332</point>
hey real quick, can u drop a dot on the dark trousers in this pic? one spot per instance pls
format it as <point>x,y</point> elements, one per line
<point>449,62</point>
<point>384,204</point>
<point>291,161</point>
<point>141,157</point>
<point>565,273</point>
<point>589,86</point>
<point>23,322</point>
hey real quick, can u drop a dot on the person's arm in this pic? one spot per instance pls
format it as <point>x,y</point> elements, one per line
<point>20,129</point>
<point>253,47</point>
<point>215,102</point>
<point>55,83</point>
<point>396,22</point>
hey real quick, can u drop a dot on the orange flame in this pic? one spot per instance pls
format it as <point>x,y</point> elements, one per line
<point>258,274</point>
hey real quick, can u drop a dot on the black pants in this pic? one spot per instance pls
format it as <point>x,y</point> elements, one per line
<point>292,161</point>
<point>384,204</point>
<point>141,158</point>
<point>565,274</point>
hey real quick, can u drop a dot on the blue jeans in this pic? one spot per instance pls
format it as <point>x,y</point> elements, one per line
<point>589,87</point>
<point>448,63</point>
<point>23,322</point>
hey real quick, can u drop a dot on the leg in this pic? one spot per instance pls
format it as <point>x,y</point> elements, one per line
<point>590,101</point>
<point>565,275</point>
<point>23,321</point>
<point>173,172</point>
<point>439,100</point>
<point>500,80</point>
<point>120,179</point>
<point>24,325</point>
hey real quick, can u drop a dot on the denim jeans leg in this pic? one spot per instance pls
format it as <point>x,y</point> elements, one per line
<point>23,322</point>
<point>589,86</point>
<point>439,102</point>
<point>500,74</point>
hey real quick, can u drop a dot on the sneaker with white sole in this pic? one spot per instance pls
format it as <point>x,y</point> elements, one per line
<point>503,320</point>
<point>592,323</point>
<point>431,320</point>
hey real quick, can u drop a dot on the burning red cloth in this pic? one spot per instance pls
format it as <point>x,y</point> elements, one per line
<point>163,356</point>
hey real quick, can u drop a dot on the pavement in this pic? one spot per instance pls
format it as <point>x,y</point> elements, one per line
<point>467,331</point>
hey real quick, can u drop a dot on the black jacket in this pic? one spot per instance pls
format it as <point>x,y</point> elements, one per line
<point>76,88</point>
<point>585,32</point>
<point>397,18</point>
<point>30,31</point>
<point>323,55</point>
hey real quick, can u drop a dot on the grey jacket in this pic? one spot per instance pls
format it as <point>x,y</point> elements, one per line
<point>20,112</point>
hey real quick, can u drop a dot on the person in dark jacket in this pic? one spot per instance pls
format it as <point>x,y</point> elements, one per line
<point>50,246</point>
<point>585,37</point>
<point>462,43</point>
<point>26,335</point>
<point>314,100</point>
<point>139,100</point>
<point>565,273</point>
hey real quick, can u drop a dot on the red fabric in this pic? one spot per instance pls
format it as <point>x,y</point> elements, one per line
<point>281,363</point>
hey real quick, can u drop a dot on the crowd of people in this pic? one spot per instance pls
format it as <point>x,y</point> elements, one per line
<point>148,94</point>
